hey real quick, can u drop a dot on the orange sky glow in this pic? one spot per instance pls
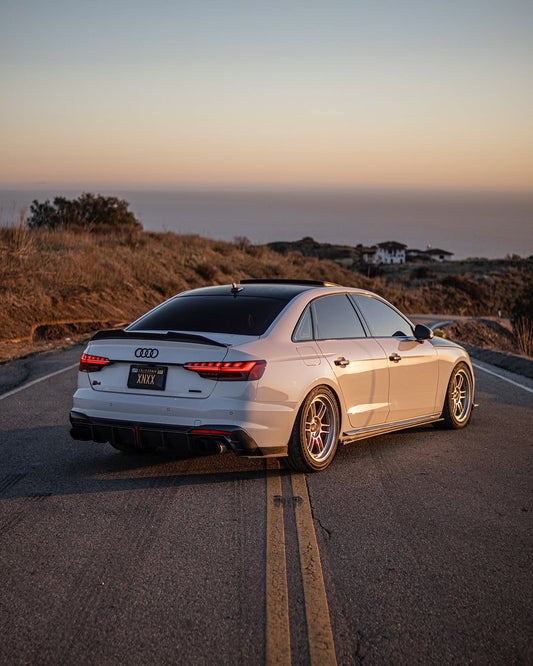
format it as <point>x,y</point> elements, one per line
<point>296,94</point>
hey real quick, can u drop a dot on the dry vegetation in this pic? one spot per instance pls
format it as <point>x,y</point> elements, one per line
<point>485,333</point>
<point>54,282</point>
<point>51,276</point>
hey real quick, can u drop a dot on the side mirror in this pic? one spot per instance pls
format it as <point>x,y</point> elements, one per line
<point>423,333</point>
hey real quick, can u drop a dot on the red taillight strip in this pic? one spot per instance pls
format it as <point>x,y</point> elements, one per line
<point>228,370</point>
<point>90,363</point>
<point>203,431</point>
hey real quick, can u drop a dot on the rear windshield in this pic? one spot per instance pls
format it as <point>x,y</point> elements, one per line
<point>243,315</point>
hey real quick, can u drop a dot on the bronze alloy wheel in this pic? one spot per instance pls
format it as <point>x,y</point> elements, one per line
<point>315,435</point>
<point>459,398</point>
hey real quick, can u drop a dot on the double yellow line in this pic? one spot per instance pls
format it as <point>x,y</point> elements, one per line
<point>320,636</point>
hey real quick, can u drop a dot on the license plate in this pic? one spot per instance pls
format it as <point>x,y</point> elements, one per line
<point>147,377</point>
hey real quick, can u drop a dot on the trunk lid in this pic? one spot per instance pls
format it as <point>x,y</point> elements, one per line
<point>153,364</point>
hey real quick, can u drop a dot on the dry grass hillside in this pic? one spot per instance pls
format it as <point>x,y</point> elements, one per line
<point>57,283</point>
<point>61,281</point>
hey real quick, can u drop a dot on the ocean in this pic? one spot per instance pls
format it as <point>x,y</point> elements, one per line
<point>469,223</point>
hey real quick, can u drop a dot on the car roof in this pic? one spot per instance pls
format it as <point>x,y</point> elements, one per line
<point>266,288</point>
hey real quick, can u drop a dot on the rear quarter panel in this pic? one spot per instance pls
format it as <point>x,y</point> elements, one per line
<point>292,370</point>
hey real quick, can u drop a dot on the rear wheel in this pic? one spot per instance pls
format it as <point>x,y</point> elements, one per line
<point>459,398</point>
<point>315,435</point>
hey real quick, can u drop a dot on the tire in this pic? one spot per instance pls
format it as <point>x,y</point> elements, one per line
<point>459,399</point>
<point>315,435</point>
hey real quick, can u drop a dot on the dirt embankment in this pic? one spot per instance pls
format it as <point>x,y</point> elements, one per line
<point>485,333</point>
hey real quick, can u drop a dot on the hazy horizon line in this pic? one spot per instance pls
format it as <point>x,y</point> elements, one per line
<point>250,187</point>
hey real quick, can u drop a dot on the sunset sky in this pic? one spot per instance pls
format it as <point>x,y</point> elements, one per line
<point>296,92</point>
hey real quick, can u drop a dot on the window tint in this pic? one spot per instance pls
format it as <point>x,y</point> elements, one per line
<point>383,321</point>
<point>304,328</point>
<point>213,314</point>
<point>335,318</point>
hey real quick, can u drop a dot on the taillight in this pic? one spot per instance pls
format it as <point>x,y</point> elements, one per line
<point>90,363</point>
<point>228,370</point>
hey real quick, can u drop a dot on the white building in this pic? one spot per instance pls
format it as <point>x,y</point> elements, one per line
<point>393,252</point>
<point>438,255</point>
<point>390,252</point>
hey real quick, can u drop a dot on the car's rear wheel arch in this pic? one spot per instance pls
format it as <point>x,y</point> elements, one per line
<point>316,430</point>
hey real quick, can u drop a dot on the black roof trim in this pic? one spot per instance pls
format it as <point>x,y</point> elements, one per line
<point>304,283</point>
<point>121,334</point>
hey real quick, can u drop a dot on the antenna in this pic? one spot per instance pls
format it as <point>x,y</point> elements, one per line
<point>235,289</point>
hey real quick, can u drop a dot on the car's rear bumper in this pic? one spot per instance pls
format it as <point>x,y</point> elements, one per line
<point>210,438</point>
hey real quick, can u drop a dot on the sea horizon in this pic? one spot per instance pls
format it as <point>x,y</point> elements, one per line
<point>469,222</point>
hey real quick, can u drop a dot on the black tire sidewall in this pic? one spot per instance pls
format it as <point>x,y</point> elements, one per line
<point>299,458</point>
<point>450,420</point>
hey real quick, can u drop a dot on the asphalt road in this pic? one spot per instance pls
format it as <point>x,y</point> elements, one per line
<point>425,543</point>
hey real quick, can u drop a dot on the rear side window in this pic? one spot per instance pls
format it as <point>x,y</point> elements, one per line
<point>335,318</point>
<point>304,328</point>
<point>382,320</point>
<point>213,314</point>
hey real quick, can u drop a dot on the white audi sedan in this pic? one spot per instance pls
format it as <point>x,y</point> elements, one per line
<point>283,368</point>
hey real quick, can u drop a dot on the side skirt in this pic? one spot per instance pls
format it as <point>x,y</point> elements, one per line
<point>374,431</point>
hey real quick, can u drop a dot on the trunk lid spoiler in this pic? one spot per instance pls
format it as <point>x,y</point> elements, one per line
<point>121,334</point>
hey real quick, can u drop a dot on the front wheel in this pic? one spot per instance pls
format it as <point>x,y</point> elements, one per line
<point>315,435</point>
<point>459,398</point>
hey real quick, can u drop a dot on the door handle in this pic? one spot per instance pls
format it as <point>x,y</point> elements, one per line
<point>341,361</point>
<point>395,358</point>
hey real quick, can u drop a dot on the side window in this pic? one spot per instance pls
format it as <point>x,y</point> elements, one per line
<point>336,318</point>
<point>382,320</point>
<point>304,328</point>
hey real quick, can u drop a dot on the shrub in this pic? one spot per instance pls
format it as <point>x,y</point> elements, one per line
<point>422,272</point>
<point>461,283</point>
<point>89,212</point>
<point>241,242</point>
<point>522,319</point>
<point>206,270</point>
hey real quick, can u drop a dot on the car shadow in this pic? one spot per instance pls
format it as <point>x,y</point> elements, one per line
<point>41,462</point>
<point>45,461</point>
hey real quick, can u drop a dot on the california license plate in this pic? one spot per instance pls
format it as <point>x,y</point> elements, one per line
<point>147,377</point>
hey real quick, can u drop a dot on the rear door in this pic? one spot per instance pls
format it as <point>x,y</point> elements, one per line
<point>413,365</point>
<point>358,361</point>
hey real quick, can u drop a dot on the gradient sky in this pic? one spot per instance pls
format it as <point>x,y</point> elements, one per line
<point>348,92</point>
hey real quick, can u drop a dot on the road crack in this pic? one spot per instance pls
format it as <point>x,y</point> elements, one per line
<point>327,532</point>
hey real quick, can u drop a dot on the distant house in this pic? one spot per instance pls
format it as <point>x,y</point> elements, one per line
<point>415,255</point>
<point>438,255</point>
<point>390,252</point>
<point>368,254</point>
<point>393,252</point>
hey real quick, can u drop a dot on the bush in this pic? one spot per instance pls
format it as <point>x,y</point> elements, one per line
<point>88,212</point>
<point>461,283</point>
<point>522,319</point>
<point>242,242</point>
<point>422,273</point>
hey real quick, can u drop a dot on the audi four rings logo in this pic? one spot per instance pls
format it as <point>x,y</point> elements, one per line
<point>146,352</point>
